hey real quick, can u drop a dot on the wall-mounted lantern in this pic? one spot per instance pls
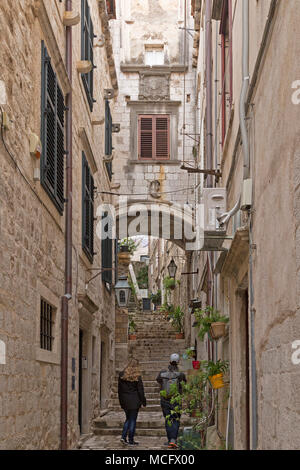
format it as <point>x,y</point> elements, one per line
<point>122,289</point>
<point>172,268</point>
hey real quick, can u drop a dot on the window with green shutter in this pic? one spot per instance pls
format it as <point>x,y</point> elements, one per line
<point>52,133</point>
<point>87,51</point>
<point>108,138</point>
<point>87,209</point>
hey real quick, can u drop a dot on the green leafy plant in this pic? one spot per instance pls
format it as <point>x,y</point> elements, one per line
<point>177,316</point>
<point>156,298</point>
<point>131,325</point>
<point>205,317</point>
<point>169,283</point>
<point>130,243</point>
<point>190,352</point>
<point>214,368</point>
<point>142,277</point>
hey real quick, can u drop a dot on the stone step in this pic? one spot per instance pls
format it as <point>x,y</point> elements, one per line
<point>149,396</point>
<point>150,401</point>
<point>146,420</point>
<point>138,432</point>
<point>147,409</point>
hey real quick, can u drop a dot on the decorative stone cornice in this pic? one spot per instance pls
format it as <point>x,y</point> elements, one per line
<point>108,43</point>
<point>237,254</point>
<point>157,69</point>
<point>52,45</point>
<point>142,102</point>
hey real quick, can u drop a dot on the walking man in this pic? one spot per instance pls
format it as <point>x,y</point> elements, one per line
<point>166,378</point>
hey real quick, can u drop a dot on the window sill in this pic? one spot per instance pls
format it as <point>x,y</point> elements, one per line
<point>49,357</point>
<point>155,162</point>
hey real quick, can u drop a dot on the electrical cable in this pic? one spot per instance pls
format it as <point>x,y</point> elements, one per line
<point>145,194</point>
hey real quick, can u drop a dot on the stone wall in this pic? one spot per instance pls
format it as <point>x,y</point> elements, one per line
<point>32,247</point>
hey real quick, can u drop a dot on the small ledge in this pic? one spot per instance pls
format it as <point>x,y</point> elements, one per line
<point>155,162</point>
<point>136,68</point>
<point>88,149</point>
<point>166,102</point>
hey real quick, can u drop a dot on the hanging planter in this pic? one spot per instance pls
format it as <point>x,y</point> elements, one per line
<point>217,330</point>
<point>216,381</point>
<point>196,364</point>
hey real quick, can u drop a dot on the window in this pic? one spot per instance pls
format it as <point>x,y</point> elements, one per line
<point>87,52</point>
<point>154,137</point>
<point>154,55</point>
<point>108,138</point>
<point>226,64</point>
<point>46,326</point>
<point>87,209</point>
<point>52,133</point>
<point>111,9</point>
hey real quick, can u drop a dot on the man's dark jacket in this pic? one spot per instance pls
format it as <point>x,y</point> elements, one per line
<point>131,394</point>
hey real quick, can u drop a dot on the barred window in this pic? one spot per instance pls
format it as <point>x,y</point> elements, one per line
<point>87,50</point>
<point>46,326</point>
<point>52,133</point>
<point>87,209</point>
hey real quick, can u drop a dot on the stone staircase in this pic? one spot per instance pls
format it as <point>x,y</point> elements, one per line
<point>156,341</point>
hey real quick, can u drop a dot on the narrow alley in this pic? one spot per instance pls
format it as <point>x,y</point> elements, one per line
<point>149,225</point>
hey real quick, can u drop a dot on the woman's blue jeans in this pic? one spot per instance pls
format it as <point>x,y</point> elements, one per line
<point>130,424</point>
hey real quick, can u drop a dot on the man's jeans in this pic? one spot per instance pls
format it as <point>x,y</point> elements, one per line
<point>172,422</point>
<point>130,424</point>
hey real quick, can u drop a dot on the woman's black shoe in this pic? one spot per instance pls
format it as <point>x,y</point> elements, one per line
<point>133,443</point>
<point>124,441</point>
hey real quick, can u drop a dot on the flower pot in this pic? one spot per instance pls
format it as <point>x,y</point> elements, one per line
<point>124,249</point>
<point>216,381</point>
<point>196,364</point>
<point>172,287</point>
<point>179,336</point>
<point>132,337</point>
<point>217,330</point>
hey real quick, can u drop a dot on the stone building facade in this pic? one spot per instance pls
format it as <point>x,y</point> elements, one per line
<point>255,281</point>
<point>32,240</point>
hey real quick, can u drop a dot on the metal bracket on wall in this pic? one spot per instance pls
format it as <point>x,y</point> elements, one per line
<point>216,173</point>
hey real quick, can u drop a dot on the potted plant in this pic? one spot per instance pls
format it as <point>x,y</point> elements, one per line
<point>156,298</point>
<point>127,245</point>
<point>215,372</point>
<point>177,316</point>
<point>132,329</point>
<point>209,320</point>
<point>169,283</point>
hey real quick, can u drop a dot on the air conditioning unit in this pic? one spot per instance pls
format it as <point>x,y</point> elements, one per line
<point>215,204</point>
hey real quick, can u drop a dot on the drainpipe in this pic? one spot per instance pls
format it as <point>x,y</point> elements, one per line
<point>68,245</point>
<point>209,134</point>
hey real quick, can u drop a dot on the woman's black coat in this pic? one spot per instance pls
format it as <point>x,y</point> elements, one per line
<point>131,394</point>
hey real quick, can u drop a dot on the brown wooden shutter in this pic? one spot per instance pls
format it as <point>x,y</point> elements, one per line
<point>154,137</point>
<point>162,131</point>
<point>146,147</point>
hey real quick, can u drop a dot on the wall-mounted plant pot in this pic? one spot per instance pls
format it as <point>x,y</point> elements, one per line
<point>132,337</point>
<point>172,287</point>
<point>124,249</point>
<point>196,364</point>
<point>216,381</point>
<point>217,330</point>
<point>179,336</point>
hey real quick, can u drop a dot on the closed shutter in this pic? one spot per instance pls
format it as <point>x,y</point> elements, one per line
<point>53,109</point>
<point>87,50</point>
<point>154,137</point>
<point>162,124</point>
<point>111,9</point>
<point>108,129</point>
<point>87,209</point>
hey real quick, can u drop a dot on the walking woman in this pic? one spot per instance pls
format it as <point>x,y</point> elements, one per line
<point>131,397</point>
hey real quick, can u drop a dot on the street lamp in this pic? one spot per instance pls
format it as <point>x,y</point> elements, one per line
<point>122,289</point>
<point>172,268</point>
